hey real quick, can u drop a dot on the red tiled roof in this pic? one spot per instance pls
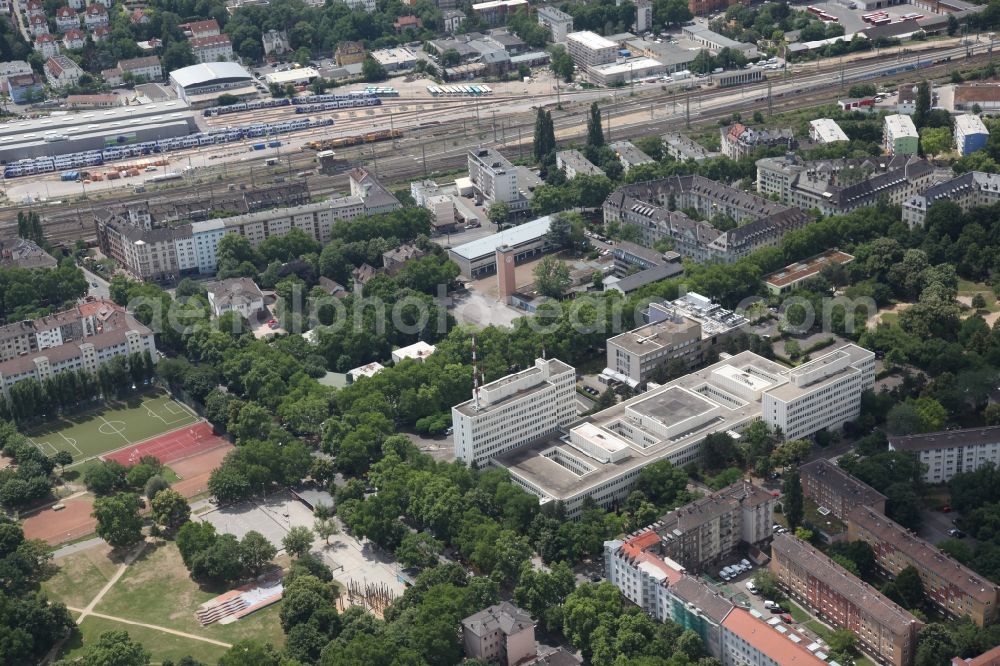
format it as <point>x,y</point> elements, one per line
<point>769,640</point>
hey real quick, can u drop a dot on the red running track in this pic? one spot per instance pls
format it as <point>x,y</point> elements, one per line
<point>181,443</point>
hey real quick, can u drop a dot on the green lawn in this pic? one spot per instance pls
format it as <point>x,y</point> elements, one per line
<point>161,645</point>
<point>818,628</point>
<point>797,613</point>
<point>80,576</point>
<point>93,432</point>
<point>828,523</point>
<point>967,288</point>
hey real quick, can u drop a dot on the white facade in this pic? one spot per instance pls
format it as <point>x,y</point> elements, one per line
<point>557,21</point>
<point>47,45</point>
<point>825,130</point>
<point>900,135</point>
<point>642,578</point>
<point>494,177</point>
<point>514,410</point>
<point>643,16</point>
<point>952,452</point>
<point>12,68</point>
<point>205,237</point>
<point>148,67</point>
<point>575,164</point>
<point>822,394</point>
<point>588,48</point>
<point>212,49</point>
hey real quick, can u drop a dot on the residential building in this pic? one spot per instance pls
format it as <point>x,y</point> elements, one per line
<point>61,72</point>
<point>749,640</point>
<point>955,589</point>
<point>643,16</point>
<point>100,33</point>
<point>453,20</point>
<point>349,53</point>
<point>559,23</point>
<point>589,49</point>
<point>988,658</point>
<point>713,40</point>
<point>206,28</point>
<point>629,155</point>
<point>835,187</point>
<point>899,135</point>
<point>38,25</point>
<point>275,42</point>
<point>682,148</point>
<point>971,189</point>
<point>637,566</point>
<point>74,39</point>
<point>951,452</point>
<point>24,88</point>
<point>602,456</point>
<point>113,77</point>
<point>477,259</point>
<point>884,629</point>
<point>791,276</point>
<point>654,207</point>
<point>12,68</point>
<point>147,67</point>
<point>240,295</point>
<point>494,12</point>
<point>215,48</point>
<point>970,133</point>
<point>495,178</point>
<point>825,130</point>
<point>514,410</point>
<point>419,351</point>
<point>738,141</point>
<point>502,633</point>
<point>82,338</point>
<point>683,331</point>
<point>47,45</point>
<point>574,164</point>
<point>33,8</point>
<point>24,253</point>
<point>375,197</point>
<point>408,22</point>
<point>96,15</point>
<point>394,260</point>
<point>66,18</point>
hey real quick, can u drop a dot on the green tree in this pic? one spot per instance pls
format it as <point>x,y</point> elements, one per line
<point>115,648</point>
<point>561,62</point>
<point>373,71</point>
<point>63,458</point>
<point>170,509</point>
<point>566,232</point>
<point>935,140</point>
<point>325,527</point>
<point>907,589</point>
<point>952,25</point>
<point>498,212</point>
<point>545,139</point>
<point>922,106</point>
<point>842,641</point>
<point>418,549</point>
<point>934,646</point>
<point>256,552</point>
<point>791,499</point>
<point>154,484</point>
<point>298,541</point>
<point>118,520</point>
<point>791,452</point>
<point>978,300</point>
<point>250,652</point>
<point>595,131</point>
<point>551,277</point>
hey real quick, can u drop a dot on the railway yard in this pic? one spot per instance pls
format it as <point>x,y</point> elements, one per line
<point>432,133</point>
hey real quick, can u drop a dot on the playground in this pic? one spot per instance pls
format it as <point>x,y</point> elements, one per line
<point>117,425</point>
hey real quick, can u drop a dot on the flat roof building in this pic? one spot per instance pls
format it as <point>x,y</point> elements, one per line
<point>950,452</point>
<point>601,457</point>
<point>899,135</point>
<point>825,130</point>
<point>883,628</point>
<point>625,71</point>
<point>970,133</point>
<point>395,59</point>
<point>299,76</point>
<point>575,164</point>
<point>588,48</point>
<point>629,155</point>
<point>204,82</point>
<point>419,351</point>
<point>514,410</point>
<point>713,40</point>
<point>789,277</point>
<point>477,258</point>
<point>557,21</point>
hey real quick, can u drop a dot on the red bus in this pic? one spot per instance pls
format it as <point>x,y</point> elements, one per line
<point>882,21</point>
<point>814,10</point>
<point>870,18</point>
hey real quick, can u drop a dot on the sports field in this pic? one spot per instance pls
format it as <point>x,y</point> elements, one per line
<point>92,433</point>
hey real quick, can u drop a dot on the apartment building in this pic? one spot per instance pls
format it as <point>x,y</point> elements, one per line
<point>495,178</point>
<point>988,658</point>
<point>955,589</point>
<point>47,45</point>
<point>685,329</point>
<point>826,130</point>
<point>738,140</point>
<point>835,187</point>
<point>12,68</point>
<point>206,28</point>
<point>240,295</point>
<point>971,189</point>
<point>829,486</point>
<point>682,148</point>
<point>393,260</point>
<point>559,23</point>
<point>951,452</point>
<point>66,19</point>
<point>575,164</point>
<point>514,410</point>
<point>602,456</point>
<point>899,135</point>
<point>214,48</point>
<point>629,155</point>
<point>654,206</point>
<point>749,640</point>
<point>96,16</point>
<point>82,338</point>
<point>147,67</point>
<point>494,12</point>
<point>883,628</point>
<point>970,133</point>
<point>61,72</point>
<point>502,633</point>
<point>589,49</point>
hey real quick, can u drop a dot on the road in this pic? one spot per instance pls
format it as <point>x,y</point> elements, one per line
<point>97,286</point>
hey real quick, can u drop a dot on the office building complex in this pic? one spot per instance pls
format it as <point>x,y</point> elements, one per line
<point>971,189</point>
<point>575,164</point>
<point>514,410</point>
<point>559,23</point>
<point>589,49</point>
<point>955,589</point>
<point>602,456</point>
<point>478,258</point>
<point>970,133</point>
<point>831,487</point>
<point>899,135</point>
<point>951,452</point>
<point>82,338</point>
<point>654,206</point>
<point>686,329</point>
<point>883,628</point>
<point>834,187</point>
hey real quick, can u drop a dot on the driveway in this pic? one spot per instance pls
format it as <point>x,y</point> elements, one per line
<point>934,526</point>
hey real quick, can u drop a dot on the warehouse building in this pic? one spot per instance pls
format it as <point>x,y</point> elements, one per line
<point>201,84</point>
<point>625,71</point>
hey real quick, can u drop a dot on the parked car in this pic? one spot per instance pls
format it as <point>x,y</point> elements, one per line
<point>724,575</point>
<point>768,604</point>
<point>786,618</point>
<point>750,586</point>
<point>958,534</point>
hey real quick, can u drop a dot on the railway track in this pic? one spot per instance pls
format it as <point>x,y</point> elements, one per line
<point>408,158</point>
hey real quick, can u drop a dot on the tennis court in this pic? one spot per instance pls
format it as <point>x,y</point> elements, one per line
<point>90,434</point>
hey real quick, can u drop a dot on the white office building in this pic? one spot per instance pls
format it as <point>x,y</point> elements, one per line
<point>826,130</point>
<point>514,410</point>
<point>557,21</point>
<point>588,49</point>
<point>951,452</point>
<point>493,176</point>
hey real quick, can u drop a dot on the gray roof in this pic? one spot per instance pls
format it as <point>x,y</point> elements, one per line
<point>515,236</point>
<point>233,290</point>
<point>504,617</point>
<point>946,439</point>
<point>24,253</point>
<point>201,74</point>
<point>630,283</point>
<point>704,598</point>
